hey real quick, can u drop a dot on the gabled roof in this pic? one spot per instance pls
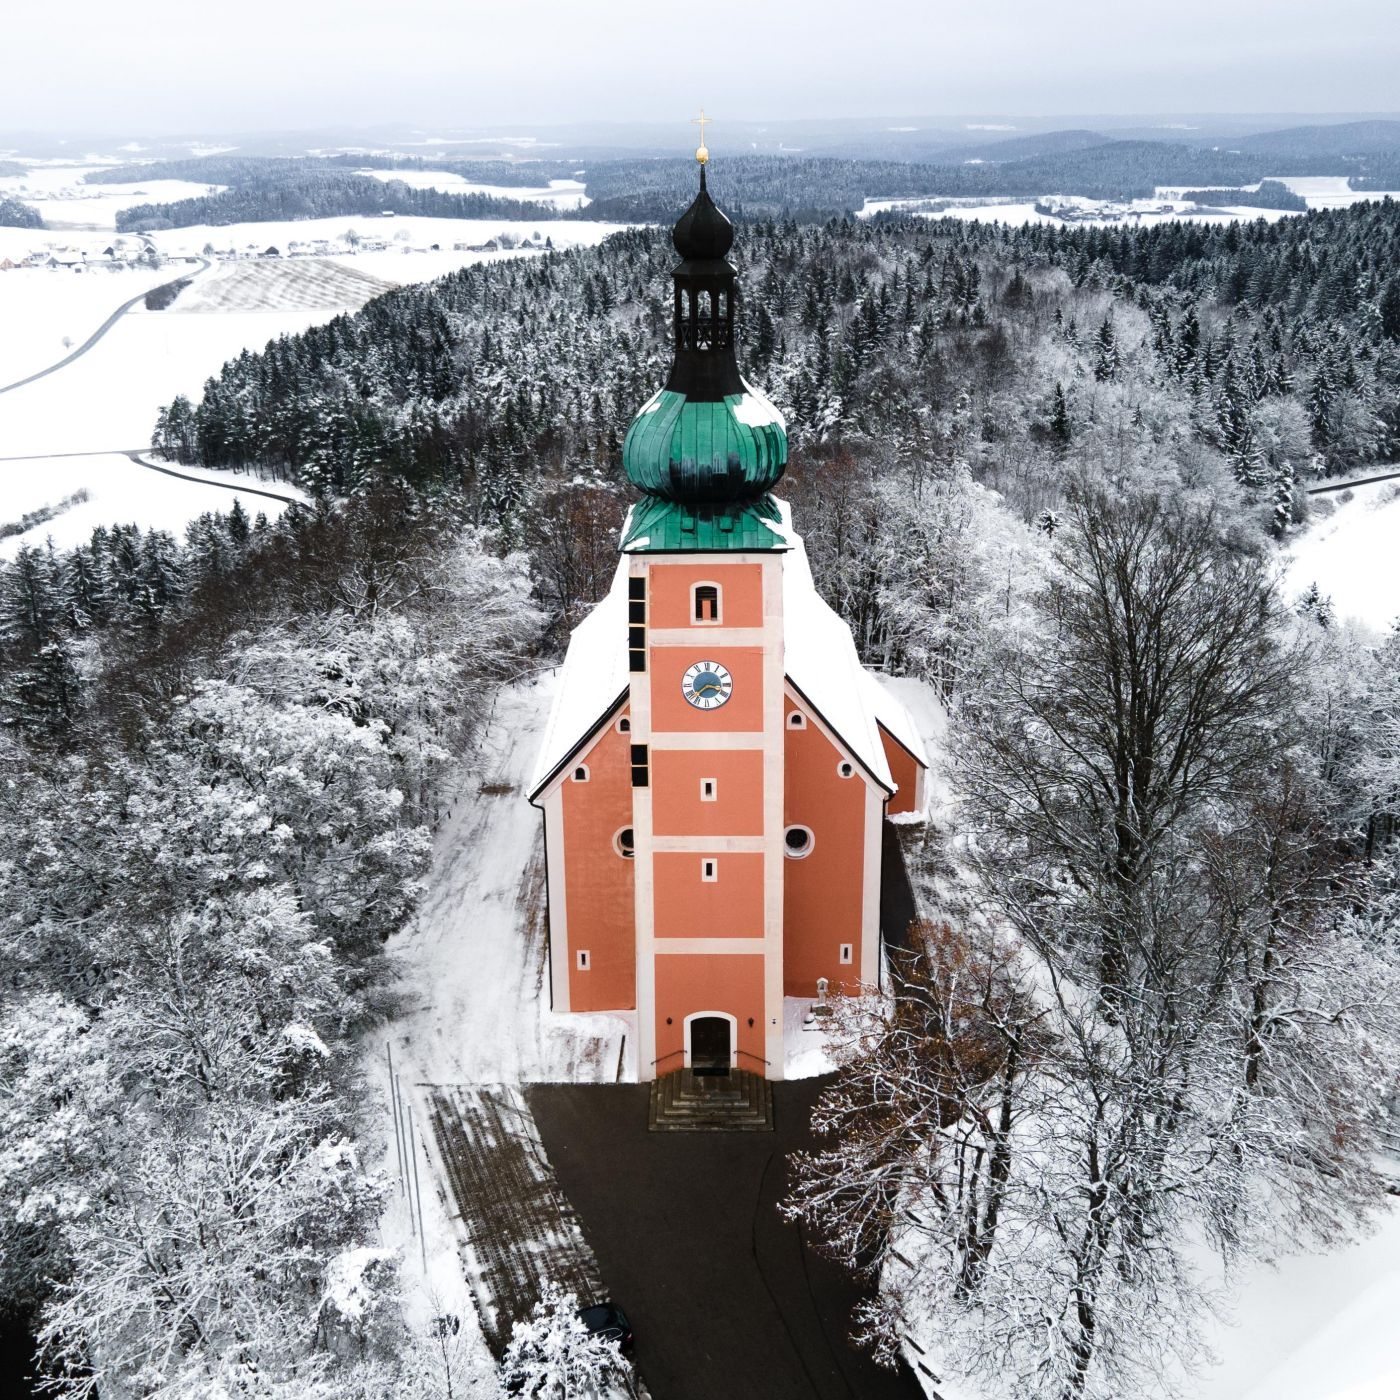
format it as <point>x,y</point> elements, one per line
<point>820,663</point>
<point>592,682</point>
<point>892,717</point>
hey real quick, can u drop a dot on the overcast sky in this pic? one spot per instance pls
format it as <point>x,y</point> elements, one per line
<point>162,66</point>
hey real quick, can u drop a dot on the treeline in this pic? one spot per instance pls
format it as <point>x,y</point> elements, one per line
<point>814,188</point>
<point>1273,349</point>
<point>1271,194</point>
<point>233,169</point>
<point>14,213</point>
<point>323,194</point>
<point>220,761</point>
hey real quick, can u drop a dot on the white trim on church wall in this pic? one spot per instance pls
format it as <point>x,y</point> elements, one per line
<point>705,844</point>
<point>559,960</point>
<point>774,749</point>
<point>870,877</point>
<point>713,636</point>
<point>639,684</point>
<point>704,739</point>
<point>710,945</point>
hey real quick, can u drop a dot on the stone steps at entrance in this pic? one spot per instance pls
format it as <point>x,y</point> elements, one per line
<point>686,1102</point>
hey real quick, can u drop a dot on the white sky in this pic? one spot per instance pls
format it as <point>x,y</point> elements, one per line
<point>162,66</point>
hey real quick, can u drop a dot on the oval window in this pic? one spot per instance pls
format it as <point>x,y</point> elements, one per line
<point>625,844</point>
<point>797,842</point>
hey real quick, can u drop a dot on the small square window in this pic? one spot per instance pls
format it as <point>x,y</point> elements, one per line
<point>709,871</point>
<point>847,953</point>
<point>709,790</point>
<point>582,958</point>
<point>706,602</point>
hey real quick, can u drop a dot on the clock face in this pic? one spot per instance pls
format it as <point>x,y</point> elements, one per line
<point>707,685</point>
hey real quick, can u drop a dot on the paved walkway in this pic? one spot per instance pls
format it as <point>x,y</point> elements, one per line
<point>725,1298</point>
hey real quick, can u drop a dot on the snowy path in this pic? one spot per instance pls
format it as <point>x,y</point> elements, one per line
<point>474,1027</point>
<point>475,957</point>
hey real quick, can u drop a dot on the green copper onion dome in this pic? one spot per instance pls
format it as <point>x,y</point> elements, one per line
<point>708,438</point>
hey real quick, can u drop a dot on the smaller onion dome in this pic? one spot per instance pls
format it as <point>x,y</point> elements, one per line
<point>709,437</point>
<point>703,233</point>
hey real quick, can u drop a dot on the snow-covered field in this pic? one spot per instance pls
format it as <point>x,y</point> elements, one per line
<point>119,492</point>
<point>1317,1327</point>
<point>411,230</point>
<point>1165,206</point>
<point>1353,555</point>
<point>109,397</point>
<point>1137,213</point>
<point>41,307</point>
<point>57,191</point>
<point>107,400</point>
<point>274,284</point>
<point>564,194</point>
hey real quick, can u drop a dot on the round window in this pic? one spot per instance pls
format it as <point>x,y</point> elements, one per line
<point>797,841</point>
<point>624,843</point>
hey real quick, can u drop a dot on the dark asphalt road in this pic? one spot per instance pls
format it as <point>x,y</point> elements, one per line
<point>726,1301</point>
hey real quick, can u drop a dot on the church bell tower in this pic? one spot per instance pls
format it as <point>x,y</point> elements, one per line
<point>704,551</point>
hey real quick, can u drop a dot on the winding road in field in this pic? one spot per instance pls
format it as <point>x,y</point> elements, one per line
<point>102,330</point>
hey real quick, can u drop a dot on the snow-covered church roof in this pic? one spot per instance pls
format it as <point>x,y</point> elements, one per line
<point>819,660</point>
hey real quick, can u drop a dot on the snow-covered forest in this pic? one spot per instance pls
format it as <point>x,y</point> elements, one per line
<point>221,763</point>
<point>1152,1033</point>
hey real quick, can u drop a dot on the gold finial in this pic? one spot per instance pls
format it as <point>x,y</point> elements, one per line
<point>702,151</point>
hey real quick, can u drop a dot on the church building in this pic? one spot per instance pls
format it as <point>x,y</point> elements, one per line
<point>718,765</point>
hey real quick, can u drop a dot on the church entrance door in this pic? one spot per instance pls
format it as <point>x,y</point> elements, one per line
<point>710,1044</point>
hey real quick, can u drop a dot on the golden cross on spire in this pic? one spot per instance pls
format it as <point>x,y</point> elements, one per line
<point>702,153</point>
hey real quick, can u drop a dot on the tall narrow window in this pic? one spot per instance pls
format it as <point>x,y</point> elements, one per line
<point>706,607</point>
<point>709,790</point>
<point>636,623</point>
<point>709,871</point>
<point>639,765</point>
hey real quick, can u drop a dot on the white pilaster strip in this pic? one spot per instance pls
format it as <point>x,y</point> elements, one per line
<point>774,738</point>
<point>560,957</point>
<point>644,870</point>
<point>870,885</point>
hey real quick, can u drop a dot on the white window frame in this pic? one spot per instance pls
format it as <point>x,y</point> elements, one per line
<point>811,841</point>
<point>583,961</point>
<point>580,768</point>
<point>847,954</point>
<point>718,619</point>
<point>712,795</point>
<point>709,870</point>
<point>796,720</point>
<point>617,842</point>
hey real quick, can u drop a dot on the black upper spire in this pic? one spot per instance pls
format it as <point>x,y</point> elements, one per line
<point>706,290</point>
<point>702,233</point>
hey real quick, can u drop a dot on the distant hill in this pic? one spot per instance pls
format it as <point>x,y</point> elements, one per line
<point>1047,143</point>
<point>1344,139</point>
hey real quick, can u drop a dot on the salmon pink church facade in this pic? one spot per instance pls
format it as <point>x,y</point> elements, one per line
<point>718,765</point>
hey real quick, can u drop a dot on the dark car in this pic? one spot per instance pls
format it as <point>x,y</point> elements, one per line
<point>608,1320</point>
